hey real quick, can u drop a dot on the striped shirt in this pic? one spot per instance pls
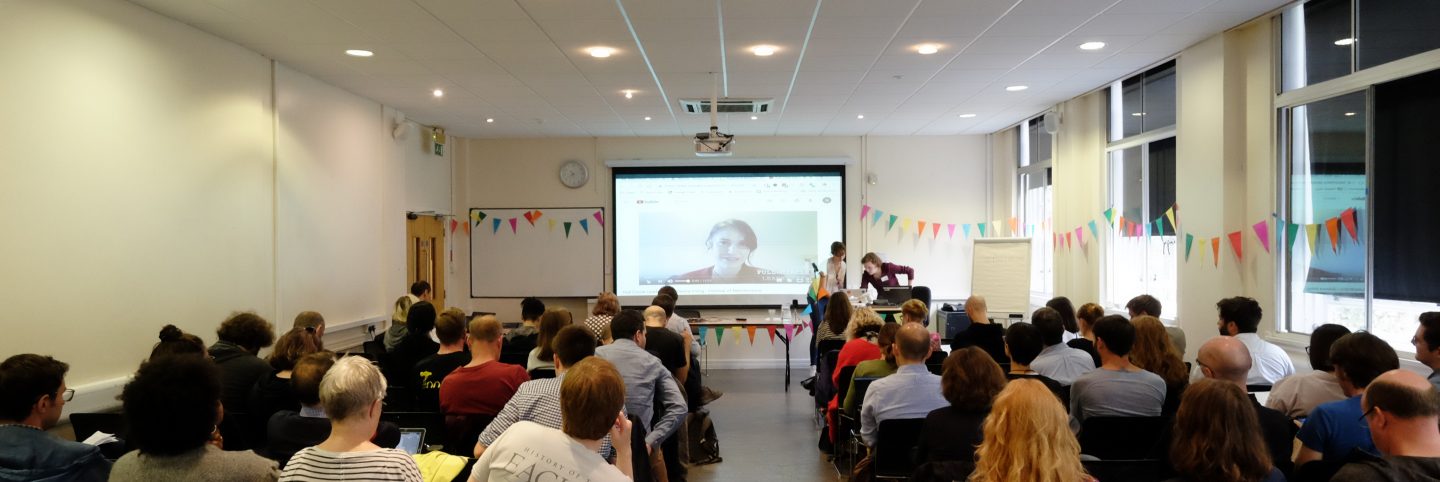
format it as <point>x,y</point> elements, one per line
<point>536,401</point>
<point>312,463</point>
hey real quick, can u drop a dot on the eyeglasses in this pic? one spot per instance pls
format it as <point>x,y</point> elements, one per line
<point>1367,413</point>
<point>68,394</point>
<point>1307,350</point>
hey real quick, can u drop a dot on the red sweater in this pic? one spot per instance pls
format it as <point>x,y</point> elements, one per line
<point>480,390</point>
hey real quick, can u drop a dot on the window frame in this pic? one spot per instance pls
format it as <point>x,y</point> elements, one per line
<point>1032,164</point>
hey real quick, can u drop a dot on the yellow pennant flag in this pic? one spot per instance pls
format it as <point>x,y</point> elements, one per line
<point>1170,214</point>
<point>1311,230</point>
<point>904,222</point>
<point>552,224</point>
<point>741,331</point>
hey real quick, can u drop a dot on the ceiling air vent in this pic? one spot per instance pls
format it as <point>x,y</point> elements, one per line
<point>728,105</point>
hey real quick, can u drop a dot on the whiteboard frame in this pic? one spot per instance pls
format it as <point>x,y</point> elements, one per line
<point>603,245</point>
<point>1029,245</point>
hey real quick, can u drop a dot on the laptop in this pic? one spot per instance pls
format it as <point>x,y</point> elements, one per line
<point>412,440</point>
<point>895,295</point>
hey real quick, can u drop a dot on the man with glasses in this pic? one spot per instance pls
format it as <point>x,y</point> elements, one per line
<point>32,396</point>
<point>1335,429</point>
<point>1427,344</point>
<point>1402,411</point>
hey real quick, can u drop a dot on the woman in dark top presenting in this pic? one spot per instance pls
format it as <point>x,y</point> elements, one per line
<point>882,274</point>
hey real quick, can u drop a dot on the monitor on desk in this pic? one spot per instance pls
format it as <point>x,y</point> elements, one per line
<point>894,295</point>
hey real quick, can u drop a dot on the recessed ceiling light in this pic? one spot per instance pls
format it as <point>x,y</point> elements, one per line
<point>647,117</point>
<point>1092,46</point>
<point>1137,114</point>
<point>754,117</point>
<point>966,116</point>
<point>764,50</point>
<point>1349,114</point>
<point>1016,88</point>
<point>489,120</point>
<point>861,116</point>
<point>438,93</point>
<point>927,49</point>
<point>1345,41</point>
<point>359,53</point>
<point>629,94</point>
<point>600,52</point>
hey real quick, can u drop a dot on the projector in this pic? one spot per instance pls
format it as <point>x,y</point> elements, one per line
<point>713,143</point>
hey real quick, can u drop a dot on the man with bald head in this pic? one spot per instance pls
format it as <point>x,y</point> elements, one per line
<point>1403,411</point>
<point>1227,359</point>
<point>912,392</point>
<point>981,333</point>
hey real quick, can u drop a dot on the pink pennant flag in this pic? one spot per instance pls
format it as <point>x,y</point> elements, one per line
<point>1080,236</point>
<point>951,228</point>
<point>599,219</point>
<point>1262,231</point>
<point>864,211</point>
<point>512,225</point>
<point>789,332</point>
<point>934,230</point>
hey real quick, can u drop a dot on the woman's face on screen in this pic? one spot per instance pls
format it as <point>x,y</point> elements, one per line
<point>730,249</point>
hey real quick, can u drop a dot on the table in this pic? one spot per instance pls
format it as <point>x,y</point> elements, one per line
<point>780,333</point>
<point>886,312</point>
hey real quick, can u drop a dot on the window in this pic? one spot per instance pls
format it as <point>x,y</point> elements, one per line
<point>1034,203</point>
<point>1328,39</point>
<point>1142,259</point>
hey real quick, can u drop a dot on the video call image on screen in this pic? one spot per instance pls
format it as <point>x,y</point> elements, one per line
<point>727,235</point>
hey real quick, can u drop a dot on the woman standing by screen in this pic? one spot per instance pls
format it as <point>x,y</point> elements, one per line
<point>882,274</point>
<point>835,268</point>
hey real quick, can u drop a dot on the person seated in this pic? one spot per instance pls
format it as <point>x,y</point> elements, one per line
<point>882,274</point>
<point>915,311</point>
<point>1144,305</point>
<point>1155,353</point>
<point>696,394</point>
<point>647,382</point>
<point>32,398</point>
<point>1240,318</point>
<point>669,347</point>
<point>863,334</point>
<point>1226,359</point>
<point>970,382</point>
<point>880,368</point>
<point>592,396</point>
<point>982,332</point>
<point>288,431</point>
<point>414,347</point>
<point>837,318</point>
<point>1066,309</point>
<point>1335,429</point>
<point>912,392</point>
<point>483,386</point>
<point>313,321</point>
<point>1403,411</point>
<point>521,340</point>
<point>1058,361</point>
<point>399,327</point>
<point>1022,345</point>
<point>606,306</point>
<point>172,407</point>
<point>538,401</point>
<point>1026,438</point>
<point>1118,388</point>
<point>1427,344</point>
<point>1085,318</point>
<point>241,336</point>
<point>1215,437</point>
<point>427,373</point>
<point>173,341</point>
<point>1296,395</point>
<point>550,323</point>
<point>274,392</point>
<point>351,393</point>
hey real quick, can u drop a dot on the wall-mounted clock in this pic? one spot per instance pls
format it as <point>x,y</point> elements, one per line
<point>574,174</point>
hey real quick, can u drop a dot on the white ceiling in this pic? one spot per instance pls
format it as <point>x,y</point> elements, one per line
<point>523,63</point>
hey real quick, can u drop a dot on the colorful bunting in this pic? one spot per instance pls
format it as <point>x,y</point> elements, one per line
<point>719,334</point>
<point>741,331</point>
<point>935,230</point>
<point>1311,231</point>
<point>538,214</point>
<point>965,228</point>
<point>703,329</point>
<point>1332,227</point>
<point>864,210</point>
<point>585,225</point>
<point>904,222</point>
<point>1067,240</point>
<point>771,329</point>
<point>751,331</point>
<point>530,217</point>
<point>599,218</point>
<point>789,332</point>
<point>1348,217</point>
<point>982,229</point>
<point>453,225</point>
<point>1291,229</point>
<point>919,228</point>
<point>1080,236</point>
<point>1014,226</point>
<point>1215,250</point>
<point>1235,244</point>
<point>496,227</point>
<point>466,227</point>
<point>875,218</point>
<point>951,228</point>
<point>512,225</point>
<point>892,222</point>
<point>1189,241</point>
<point>475,216</point>
<point>1094,230</point>
<point>1110,216</point>
<point>552,224</point>
<point>1170,214</point>
<point>567,228</point>
<point>1262,231</point>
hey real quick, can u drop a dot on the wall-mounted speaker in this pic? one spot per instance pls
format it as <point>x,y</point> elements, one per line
<point>1051,122</point>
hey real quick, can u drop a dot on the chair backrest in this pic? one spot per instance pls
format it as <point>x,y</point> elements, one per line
<point>1257,388</point>
<point>826,346</point>
<point>1142,470</point>
<point>1122,438</point>
<point>462,431</point>
<point>895,442</point>
<point>375,349</point>
<point>922,293</point>
<point>86,424</point>
<point>824,389</point>
<point>862,385</point>
<point>401,399</point>
<point>935,368</point>
<point>844,386</point>
<point>540,373</point>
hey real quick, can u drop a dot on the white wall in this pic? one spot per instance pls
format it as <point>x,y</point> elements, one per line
<point>151,173</point>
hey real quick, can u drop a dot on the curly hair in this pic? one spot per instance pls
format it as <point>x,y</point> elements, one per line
<point>1211,442</point>
<point>971,379</point>
<point>173,341</point>
<point>248,330</point>
<point>606,304</point>
<point>171,405</point>
<point>1027,437</point>
<point>864,323</point>
<point>293,345</point>
<point>1154,352</point>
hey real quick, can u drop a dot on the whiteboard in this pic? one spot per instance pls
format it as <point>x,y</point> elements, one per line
<point>1000,272</point>
<point>512,256</point>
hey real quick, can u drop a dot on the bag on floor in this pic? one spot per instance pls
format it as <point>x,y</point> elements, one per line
<point>702,444</point>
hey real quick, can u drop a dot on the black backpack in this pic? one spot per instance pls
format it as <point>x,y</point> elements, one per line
<point>701,442</point>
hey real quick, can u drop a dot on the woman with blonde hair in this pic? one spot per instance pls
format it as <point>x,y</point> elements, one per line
<point>1154,352</point>
<point>864,335</point>
<point>607,305</point>
<point>1217,437</point>
<point>1028,437</point>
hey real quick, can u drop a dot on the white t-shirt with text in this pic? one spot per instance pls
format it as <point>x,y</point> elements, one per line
<point>530,452</point>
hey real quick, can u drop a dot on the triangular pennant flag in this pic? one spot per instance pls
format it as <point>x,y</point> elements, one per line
<point>751,331</point>
<point>1348,217</point>
<point>904,222</point>
<point>864,210</point>
<point>950,227</point>
<point>530,217</point>
<point>1159,227</point>
<point>789,332</point>
<point>1120,220</point>
<point>1332,227</point>
<point>1236,242</point>
<point>892,222</point>
<point>475,217</point>
<point>1170,214</point>
<point>1067,240</point>
<point>1014,226</point>
<point>1189,241</point>
<point>966,229</point>
<point>875,218</point>
<point>538,214</point>
<point>585,225</point>
<point>771,329</point>
<point>467,228</point>
<point>567,228</point>
<point>1094,230</point>
<point>919,228</point>
<point>808,309</point>
<point>496,227</point>
<point>1215,250</point>
<point>1146,229</point>
<point>995,227</point>
<point>552,224</point>
<point>935,230</point>
<point>599,218</point>
<point>512,225</point>
<point>719,334</point>
<point>1262,231</point>
<point>1291,229</point>
<point>739,331</point>
<point>1080,236</point>
<point>453,225</point>
<point>982,229</point>
<point>1110,216</point>
<point>1311,231</point>
<point>703,331</point>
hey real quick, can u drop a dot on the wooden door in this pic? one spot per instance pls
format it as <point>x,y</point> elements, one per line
<point>425,255</point>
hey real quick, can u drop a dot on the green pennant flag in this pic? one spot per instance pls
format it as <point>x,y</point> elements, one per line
<point>1110,216</point>
<point>1159,226</point>
<point>567,229</point>
<point>982,229</point>
<point>1291,230</point>
<point>1094,231</point>
<point>719,335</point>
<point>892,222</point>
<point>1189,240</point>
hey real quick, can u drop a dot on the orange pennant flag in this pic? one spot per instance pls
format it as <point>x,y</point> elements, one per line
<point>1215,249</point>
<point>751,331</point>
<point>919,228</point>
<point>1348,217</point>
<point>1332,227</point>
<point>1014,226</point>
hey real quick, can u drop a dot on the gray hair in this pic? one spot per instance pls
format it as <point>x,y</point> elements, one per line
<point>350,387</point>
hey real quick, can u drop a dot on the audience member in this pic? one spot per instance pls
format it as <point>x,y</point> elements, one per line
<point>274,392</point>
<point>419,291</point>
<point>352,393</point>
<point>1296,395</point>
<point>550,323</point>
<point>591,397</point>
<point>1240,318</point>
<point>696,393</point>
<point>314,321</point>
<point>538,401</point>
<point>863,334</point>
<point>1058,360</point>
<point>288,431</point>
<point>1118,388</point>
<point>1066,309</point>
<point>606,306</point>
<point>1026,438</point>
<point>677,323</point>
<point>646,380</point>
<point>32,397</point>
<point>1155,353</point>
<point>1403,412</point>
<point>1427,344</point>
<point>915,311</point>
<point>1147,305</point>
<point>172,407</point>
<point>982,333</point>
<point>414,347</point>
<point>1085,317</point>
<point>912,392</point>
<point>670,348</point>
<point>970,382</point>
<point>1226,359</point>
<point>837,318</point>
<point>1211,441</point>
<point>241,336</point>
<point>524,338</point>
<point>176,342</point>
<point>427,373</point>
<point>1022,345</point>
<point>483,386</point>
<point>1336,428</point>
<point>880,368</point>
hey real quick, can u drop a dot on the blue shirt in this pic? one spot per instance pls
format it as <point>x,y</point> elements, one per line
<point>1063,363</point>
<point>912,392</point>
<point>1335,428</point>
<point>30,454</point>
<point>645,380</point>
